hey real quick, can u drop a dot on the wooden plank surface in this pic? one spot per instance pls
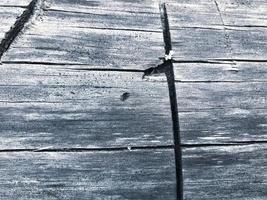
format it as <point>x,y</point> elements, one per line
<point>226,27</point>
<point>41,105</point>
<point>193,13</point>
<point>92,37</point>
<point>223,72</point>
<point>139,174</point>
<point>53,106</point>
<point>14,3</point>
<point>234,172</point>
<point>243,13</point>
<point>8,16</point>
<point>118,123</point>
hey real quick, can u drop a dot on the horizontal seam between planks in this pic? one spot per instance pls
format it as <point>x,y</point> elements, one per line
<point>132,148</point>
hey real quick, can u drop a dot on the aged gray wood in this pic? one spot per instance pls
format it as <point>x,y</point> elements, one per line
<point>58,106</point>
<point>14,3</point>
<point>243,13</point>
<point>9,11</point>
<point>47,106</point>
<point>230,125</point>
<point>75,33</point>
<point>138,174</point>
<point>93,38</point>
<point>57,43</point>
<point>234,172</point>
<point>193,13</point>
<point>100,48</point>
<point>8,17</point>
<point>225,72</point>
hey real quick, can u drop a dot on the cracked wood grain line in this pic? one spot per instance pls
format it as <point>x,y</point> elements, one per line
<point>173,102</point>
<point>19,25</point>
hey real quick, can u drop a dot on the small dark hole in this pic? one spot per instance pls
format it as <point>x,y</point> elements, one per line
<point>125,96</point>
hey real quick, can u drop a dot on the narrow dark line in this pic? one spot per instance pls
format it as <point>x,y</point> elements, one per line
<point>216,27</point>
<point>79,12</point>
<point>173,102</point>
<point>241,60</point>
<point>230,81</point>
<point>211,61</point>
<point>107,69</point>
<point>88,149</point>
<point>41,63</point>
<point>245,26</point>
<point>14,31</point>
<point>235,143</point>
<point>107,149</point>
<point>12,6</point>
<point>119,29</point>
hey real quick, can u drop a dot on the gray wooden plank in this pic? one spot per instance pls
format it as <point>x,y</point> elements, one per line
<point>243,13</point>
<point>145,6</point>
<point>225,72</point>
<point>100,48</point>
<point>205,44</point>
<point>137,15</point>
<point>48,106</point>
<point>11,3</point>
<point>236,173</point>
<point>229,125</point>
<point>8,16</point>
<point>206,30</point>
<point>104,38</point>
<point>248,43</point>
<point>202,95</point>
<point>132,39</point>
<point>233,172</point>
<point>42,104</point>
<point>199,44</point>
<point>193,13</point>
<point>143,174</point>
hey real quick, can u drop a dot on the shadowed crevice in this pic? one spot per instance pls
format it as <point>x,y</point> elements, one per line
<point>19,25</point>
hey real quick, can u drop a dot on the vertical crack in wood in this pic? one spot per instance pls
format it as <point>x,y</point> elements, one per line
<point>173,101</point>
<point>18,26</point>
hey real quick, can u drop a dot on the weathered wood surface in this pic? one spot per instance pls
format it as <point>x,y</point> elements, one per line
<point>46,106</point>
<point>210,173</point>
<point>224,72</point>
<point>14,3</point>
<point>138,174</point>
<point>93,38</point>
<point>234,173</point>
<point>211,13</point>
<point>100,25</point>
<point>54,107</point>
<point>42,106</point>
<point>8,16</point>
<point>243,13</point>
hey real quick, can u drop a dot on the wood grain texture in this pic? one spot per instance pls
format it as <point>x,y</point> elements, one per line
<point>48,106</point>
<point>59,106</point>
<point>14,3</point>
<point>99,48</point>
<point>193,13</point>
<point>102,38</point>
<point>235,172</point>
<point>224,72</point>
<point>88,175</point>
<point>8,16</point>
<point>243,13</point>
